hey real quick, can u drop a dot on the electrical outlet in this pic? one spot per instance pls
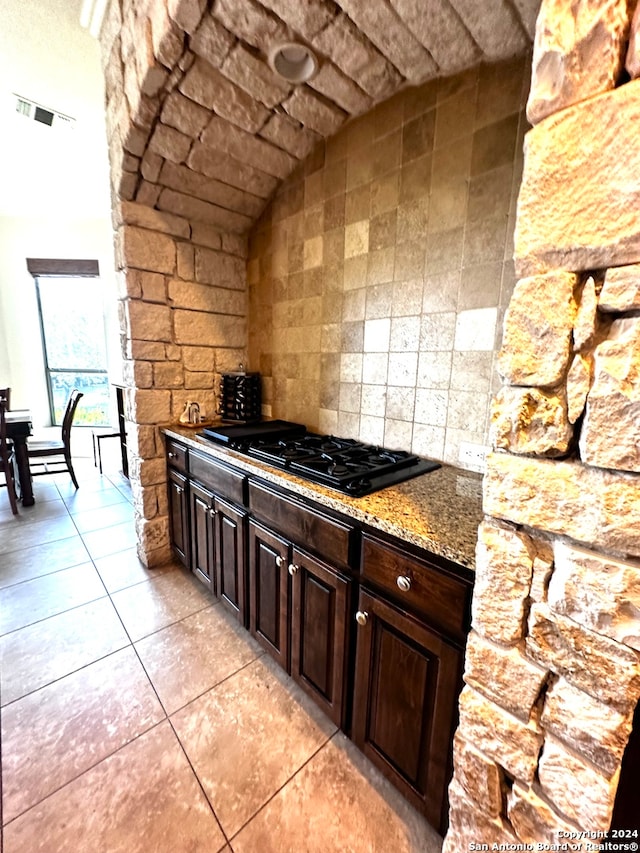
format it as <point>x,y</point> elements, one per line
<point>473,456</point>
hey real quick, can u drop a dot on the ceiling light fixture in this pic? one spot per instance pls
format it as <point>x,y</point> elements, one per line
<point>295,62</point>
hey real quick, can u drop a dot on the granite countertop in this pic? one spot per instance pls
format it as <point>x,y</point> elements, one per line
<point>439,511</point>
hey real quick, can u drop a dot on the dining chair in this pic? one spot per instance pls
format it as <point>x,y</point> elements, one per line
<point>5,394</point>
<point>39,449</point>
<point>6,462</point>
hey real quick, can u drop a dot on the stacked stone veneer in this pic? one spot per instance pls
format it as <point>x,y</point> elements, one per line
<point>181,259</point>
<point>552,666</point>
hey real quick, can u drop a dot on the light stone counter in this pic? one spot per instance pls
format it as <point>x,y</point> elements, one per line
<point>439,511</point>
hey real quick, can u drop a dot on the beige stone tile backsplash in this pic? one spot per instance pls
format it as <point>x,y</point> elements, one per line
<point>379,275</point>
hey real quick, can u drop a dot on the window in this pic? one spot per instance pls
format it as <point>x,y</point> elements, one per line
<point>70,305</point>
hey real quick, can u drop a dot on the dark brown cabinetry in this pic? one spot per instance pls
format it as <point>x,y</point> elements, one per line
<point>407,682</point>
<point>370,627</point>
<point>177,490</point>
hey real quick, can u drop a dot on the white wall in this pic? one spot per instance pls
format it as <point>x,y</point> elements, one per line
<point>54,196</point>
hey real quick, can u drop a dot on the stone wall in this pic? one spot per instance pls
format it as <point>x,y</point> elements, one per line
<point>379,275</point>
<point>552,672</point>
<point>181,260</point>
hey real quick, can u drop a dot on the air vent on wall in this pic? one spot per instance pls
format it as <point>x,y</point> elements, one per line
<point>32,110</point>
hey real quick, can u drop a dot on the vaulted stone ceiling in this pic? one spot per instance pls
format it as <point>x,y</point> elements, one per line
<point>203,128</point>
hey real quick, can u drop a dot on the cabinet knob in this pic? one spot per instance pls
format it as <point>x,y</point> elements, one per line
<point>279,561</point>
<point>212,512</point>
<point>293,569</point>
<point>404,583</point>
<point>179,490</point>
<point>361,617</point>
<point>172,455</point>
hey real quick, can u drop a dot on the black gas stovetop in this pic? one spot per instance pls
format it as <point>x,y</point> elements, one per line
<point>350,466</point>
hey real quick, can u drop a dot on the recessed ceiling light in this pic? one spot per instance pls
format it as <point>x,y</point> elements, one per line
<point>295,62</point>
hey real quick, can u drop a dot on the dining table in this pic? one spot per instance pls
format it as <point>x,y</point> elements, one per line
<point>19,428</point>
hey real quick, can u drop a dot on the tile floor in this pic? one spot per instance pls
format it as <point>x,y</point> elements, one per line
<point>137,717</point>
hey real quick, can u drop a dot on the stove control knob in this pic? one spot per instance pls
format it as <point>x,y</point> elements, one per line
<point>279,561</point>
<point>362,617</point>
<point>293,569</point>
<point>404,583</point>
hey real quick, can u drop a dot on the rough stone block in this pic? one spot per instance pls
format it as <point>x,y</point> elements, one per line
<point>614,398</point>
<point>254,76</point>
<point>143,441</point>
<point>289,134</point>
<point>146,350</point>
<point>170,143</point>
<point>187,13</point>
<point>568,36</point>
<point>492,25</point>
<point>441,30</point>
<point>212,41</point>
<point>542,569</point>
<point>621,289</point>
<point>632,60</point>
<point>146,250</point>
<point>154,220</point>
<point>577,788</point>
<point>479,777</point>
<point>196,327</point>
<point>150,407</point>
<point>597,665</point>
<point>333,84</point>
<point>584,330</point>
<point>501,736</point>
<point>392,38</point>
<point>204,235</point>
<point>213,90</point>
<point>222,166</point>
<point>187,181</point>
<point>148,321</point>
<point>590,505</point>
<point>196,381</point>
<point>578,384</point>
<point>536,344</point>
<point>151,165</point>
<point>252,23</point>
<point>503,675</point>
<point>530,420</point>
<point>307,18</point>
<point>358,58</point>
<point>199,358</point>
<point>595,730</point>
<point>202,211</point>
<point>220,269</point>
<point>471,828</point>
<point>313,112</point>
<point>205,297</point>
<point>184,114</point>
<point>168,374</point>
<point>185,258</point>
<point>534,820</point>
<point>166,37</point>
<point>598,591</point>
<point>259,153</point>
<point>577,204</point>
<point>504,562</point>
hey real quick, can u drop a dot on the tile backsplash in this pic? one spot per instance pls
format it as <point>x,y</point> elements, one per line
<point>379,275</point>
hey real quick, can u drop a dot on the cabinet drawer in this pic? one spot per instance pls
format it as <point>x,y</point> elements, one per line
<point>224,481</point>
<point>177,455</point>
<point>323,535</point>
<point>442,598</point>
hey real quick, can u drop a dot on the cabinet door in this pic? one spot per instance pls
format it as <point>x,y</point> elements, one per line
<point>405,703</point>
<point>178,515</point>
<point>202,535</point>
<point>269,592</point>
<point>319,630</point>
<point>230,524</point>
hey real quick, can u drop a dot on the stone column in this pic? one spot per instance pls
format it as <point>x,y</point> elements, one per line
<point>552,666</point>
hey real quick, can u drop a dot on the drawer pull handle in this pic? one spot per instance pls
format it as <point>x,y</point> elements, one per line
<point>179,490</point>
<point>279,561</point>
<point>172,455</point>
<point>293,569</point>
<point>361,617</point>
<point>404,583</point>
<point>212,512</point>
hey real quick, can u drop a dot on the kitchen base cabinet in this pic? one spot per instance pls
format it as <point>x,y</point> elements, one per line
<point>230,564</point>
<point>407,682</point>
<point>178,515</point>
<point>202,534</point>
<point>319,632</point>
<point>269,592</point>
